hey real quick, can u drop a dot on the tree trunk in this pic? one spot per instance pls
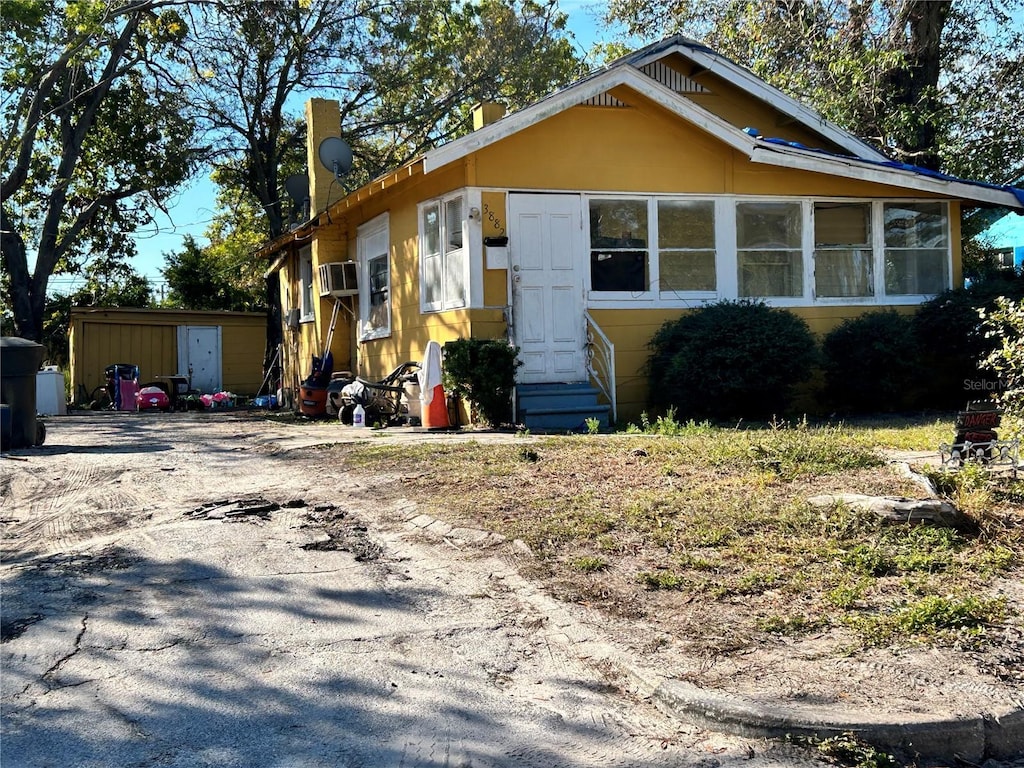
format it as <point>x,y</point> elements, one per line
<point>271,358</point>
<point>917,30</point>
<point>15,260</point>
<point>271,361</point>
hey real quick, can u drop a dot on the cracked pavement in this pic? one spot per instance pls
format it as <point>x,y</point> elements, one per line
<point>320,632</point>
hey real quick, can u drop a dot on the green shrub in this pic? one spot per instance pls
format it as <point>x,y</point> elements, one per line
<point>1005,327</point>
<point>731,359</point>
<point>483,371</point>
<point>870,363</point>
<point>951,340</point>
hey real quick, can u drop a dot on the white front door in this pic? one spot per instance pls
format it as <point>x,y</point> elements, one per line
<point>545,256</point>
<point>199,354</point>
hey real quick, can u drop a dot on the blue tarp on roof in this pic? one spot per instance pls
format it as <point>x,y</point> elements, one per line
<point>1015,191</point>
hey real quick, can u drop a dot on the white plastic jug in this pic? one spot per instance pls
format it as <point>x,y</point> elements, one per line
<point>359,416</point>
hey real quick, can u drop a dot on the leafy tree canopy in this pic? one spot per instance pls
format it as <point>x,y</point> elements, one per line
<point>405,74</point>
<point>91,136</point>
<point>937,83</point>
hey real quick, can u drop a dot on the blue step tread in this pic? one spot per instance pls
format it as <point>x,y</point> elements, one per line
<point>567,409</point>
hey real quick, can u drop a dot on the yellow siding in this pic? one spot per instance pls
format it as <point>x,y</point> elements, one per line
<point>332,244</point>
<point>411,330</point>
<point>242,349</point>
<point>644,149</point>
<point>148,339</point>
<point>640,149</point>
<point>493,224</point>
<point>153,348</point>
<point>631,330</point>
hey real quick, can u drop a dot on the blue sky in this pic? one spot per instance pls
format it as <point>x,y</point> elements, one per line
<point>192,209</point>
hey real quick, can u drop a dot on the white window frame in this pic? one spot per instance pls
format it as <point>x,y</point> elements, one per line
<point>881,247</point>
<point>366,235</point>
<point>632,297</point>
<point>869,246</point>
<point>307,289</point>
<point>726,258</point>
<point>677,294</point>
<point>445,301</point>
<point>802,250</point>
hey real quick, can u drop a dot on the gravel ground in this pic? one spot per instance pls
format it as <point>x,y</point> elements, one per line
<point>206,589</point>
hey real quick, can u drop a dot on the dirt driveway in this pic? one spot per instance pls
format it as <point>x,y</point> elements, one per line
<point>210,589</point>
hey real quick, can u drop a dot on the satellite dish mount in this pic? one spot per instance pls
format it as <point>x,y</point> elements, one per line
<point>335,155</point>
<point>297,187</point>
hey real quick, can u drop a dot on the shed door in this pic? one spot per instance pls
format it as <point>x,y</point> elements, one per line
<point>545,254</point>
<point>199,356</point>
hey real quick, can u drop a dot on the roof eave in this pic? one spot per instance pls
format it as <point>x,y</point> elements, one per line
<point>855,168</point>
<point>305,231</point>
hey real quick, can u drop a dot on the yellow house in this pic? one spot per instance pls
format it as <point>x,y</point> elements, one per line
<point>575,227</point>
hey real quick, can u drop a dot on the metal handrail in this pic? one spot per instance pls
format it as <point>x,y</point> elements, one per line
<point>600,360</point>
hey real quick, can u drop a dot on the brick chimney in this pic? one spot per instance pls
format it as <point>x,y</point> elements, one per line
<point>486,112</point>
<point>323,119</point>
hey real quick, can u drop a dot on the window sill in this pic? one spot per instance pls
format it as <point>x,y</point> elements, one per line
<point>381,333</point>
<point>439,310</point>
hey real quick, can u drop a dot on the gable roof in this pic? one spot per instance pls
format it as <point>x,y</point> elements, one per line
<point>709,60</point>
<point>863,162</point>
<point>643,72</point>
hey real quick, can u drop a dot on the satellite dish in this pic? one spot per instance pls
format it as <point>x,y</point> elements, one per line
<point>297,187</point>
<point>335,155</point>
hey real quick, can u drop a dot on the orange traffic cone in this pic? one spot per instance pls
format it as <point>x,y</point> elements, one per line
<point>435,415</point>
<point>435,405</point>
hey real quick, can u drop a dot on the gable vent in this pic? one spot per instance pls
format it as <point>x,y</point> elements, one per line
<point>670,78</point>
<point>604,100</point>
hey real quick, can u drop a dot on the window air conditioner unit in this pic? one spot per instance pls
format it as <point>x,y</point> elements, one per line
<point>339,279</point>
<point>291,319</point>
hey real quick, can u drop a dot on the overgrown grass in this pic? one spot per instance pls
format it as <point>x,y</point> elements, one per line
<point>718,517</point>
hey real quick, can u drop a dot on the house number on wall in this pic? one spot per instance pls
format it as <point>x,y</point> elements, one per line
<point>493,218</point>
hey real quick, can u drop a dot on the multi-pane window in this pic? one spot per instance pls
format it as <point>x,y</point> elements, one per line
<point>443,254</point>
<point>916,248</point>
<point>375,291</point>
<point>454,255</point>
<point>843,256</point>
<point>306,284</point>
<point>676,250</point>
<point>619,256</point>
<point>430,254</point>
<point>686,246</point>
<point>769,249</point>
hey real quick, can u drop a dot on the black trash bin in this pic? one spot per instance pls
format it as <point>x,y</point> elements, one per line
<point>19,362</point>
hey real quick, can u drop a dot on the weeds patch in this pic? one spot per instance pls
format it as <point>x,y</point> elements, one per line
<point>933,620</point>
<point>716,519</point>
